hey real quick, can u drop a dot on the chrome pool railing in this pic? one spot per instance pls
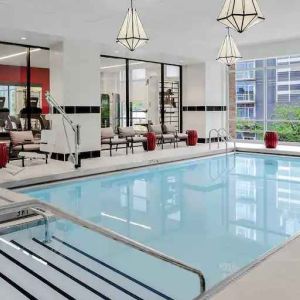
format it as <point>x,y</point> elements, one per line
<point>224,136</point>
<point>37,206</point>
<point>210,137</point>
<point>227,137</point>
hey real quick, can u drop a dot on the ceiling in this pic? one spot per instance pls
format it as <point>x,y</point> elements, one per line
<point>179,31</point>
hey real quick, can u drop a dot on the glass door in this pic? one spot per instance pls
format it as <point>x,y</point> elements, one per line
<point>113,93</point>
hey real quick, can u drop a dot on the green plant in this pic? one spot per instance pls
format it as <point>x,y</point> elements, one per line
<point>286,122</point>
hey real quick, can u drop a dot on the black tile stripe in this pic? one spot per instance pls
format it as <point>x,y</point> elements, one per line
<point>88,270</point>
<point>62,271</point>
<point>113,269</point>
<point>17,287</point>
<point>54,287</point>
<point>82,155</point>
<point>204,108</point>
<point>79,110</point>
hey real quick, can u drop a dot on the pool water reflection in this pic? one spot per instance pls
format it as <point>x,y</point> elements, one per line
<point>217,214</point>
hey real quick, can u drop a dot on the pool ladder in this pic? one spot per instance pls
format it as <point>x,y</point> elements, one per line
<point>224,136</point>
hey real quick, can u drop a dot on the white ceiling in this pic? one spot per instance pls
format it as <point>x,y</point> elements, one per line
<point>179,31</point>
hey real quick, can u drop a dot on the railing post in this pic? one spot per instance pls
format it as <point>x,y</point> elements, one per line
<point>46,220</point>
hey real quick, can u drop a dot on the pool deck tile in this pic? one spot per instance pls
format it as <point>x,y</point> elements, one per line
<point>276,278</point>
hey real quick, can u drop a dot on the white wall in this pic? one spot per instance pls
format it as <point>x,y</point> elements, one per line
<point>75,81</point>
<point>194,85</point>
<point>204,85</point>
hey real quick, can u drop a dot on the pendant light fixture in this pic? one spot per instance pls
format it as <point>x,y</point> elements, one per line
<point>132,34</point>
<point>240,14</point>
<point>229,53</point>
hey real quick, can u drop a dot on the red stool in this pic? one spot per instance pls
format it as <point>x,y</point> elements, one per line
<point>150,145</point>
<point>271,139</point>
<point>3,155</point>
<point>192,137</point>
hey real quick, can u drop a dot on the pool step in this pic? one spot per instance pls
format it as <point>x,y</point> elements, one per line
<point>58,270</point>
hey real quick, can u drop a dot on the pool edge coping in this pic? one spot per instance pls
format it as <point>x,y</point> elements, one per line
<point>222,285</point>
<point>81,173</point>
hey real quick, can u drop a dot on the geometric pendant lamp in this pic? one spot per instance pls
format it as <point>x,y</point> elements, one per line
<point>240,14</point>
<point>132,34</point>
<point>229,52</point>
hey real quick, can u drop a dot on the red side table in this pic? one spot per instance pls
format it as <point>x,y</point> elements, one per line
<point>150,145</point>
<point>271,139</point>
<point>3,155</point>
<point>192,137</point>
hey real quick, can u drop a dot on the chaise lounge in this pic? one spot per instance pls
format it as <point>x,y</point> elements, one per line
<point>161,137</point>
<point>130,135</point>
<point>108,138</point>
<point>23,141</point>
<point>170,129</point>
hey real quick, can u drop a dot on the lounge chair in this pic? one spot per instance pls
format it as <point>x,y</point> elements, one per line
<point>161,137</point>
<point>23,141</point>
<point>108,138</point>
<point>170,129</point>
<point>130,135</point>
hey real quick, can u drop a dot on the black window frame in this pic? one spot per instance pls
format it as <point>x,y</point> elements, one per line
<point>28,75</point>
<point>162,95</point>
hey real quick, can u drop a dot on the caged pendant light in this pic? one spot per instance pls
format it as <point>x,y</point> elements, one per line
<point>229,53</point>
<point>132,34</point>
<point>240,14</point>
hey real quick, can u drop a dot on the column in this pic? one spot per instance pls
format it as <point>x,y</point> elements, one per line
<point>75,85</point>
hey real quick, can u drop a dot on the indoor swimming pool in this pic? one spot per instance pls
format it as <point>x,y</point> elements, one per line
<point>217,214</point>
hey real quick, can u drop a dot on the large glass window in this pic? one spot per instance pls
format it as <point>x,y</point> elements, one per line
<point>13,70</point>
<point>137,93</point>
<point>39,85</point>
<point>144,94</point>
<point>113,92</point>
<point>266,95</point>
<point>172,95</point>
<point>21,90</point>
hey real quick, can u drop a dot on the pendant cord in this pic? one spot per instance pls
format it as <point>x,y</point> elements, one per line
<point>131,4</point>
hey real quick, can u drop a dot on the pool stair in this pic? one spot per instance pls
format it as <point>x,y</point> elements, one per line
<point>32,269</point>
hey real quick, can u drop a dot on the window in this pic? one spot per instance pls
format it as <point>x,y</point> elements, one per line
<point>138,74</point>
<point>133,94</point>
<point>23,103</point>
<point>245,92</point>
<point>266,94</point>
<point>172,71</point>
<point>245,112</point>
<point>245,70</point>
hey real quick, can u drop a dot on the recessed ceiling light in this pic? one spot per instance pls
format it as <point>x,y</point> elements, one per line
<point>23,38</point>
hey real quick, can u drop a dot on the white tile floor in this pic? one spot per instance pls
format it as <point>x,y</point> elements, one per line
<point>276,278</point>
<point>37,171</point>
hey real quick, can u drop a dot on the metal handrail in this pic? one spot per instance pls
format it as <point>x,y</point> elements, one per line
<point>210,137</point>
<point>228,137</point>
<point>35,204</point>
<point>76,128</point>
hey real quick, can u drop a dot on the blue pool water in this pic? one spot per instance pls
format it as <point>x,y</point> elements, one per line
<point>217,214</point>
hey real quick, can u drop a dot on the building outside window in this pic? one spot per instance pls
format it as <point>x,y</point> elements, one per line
<point>266,96</point>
